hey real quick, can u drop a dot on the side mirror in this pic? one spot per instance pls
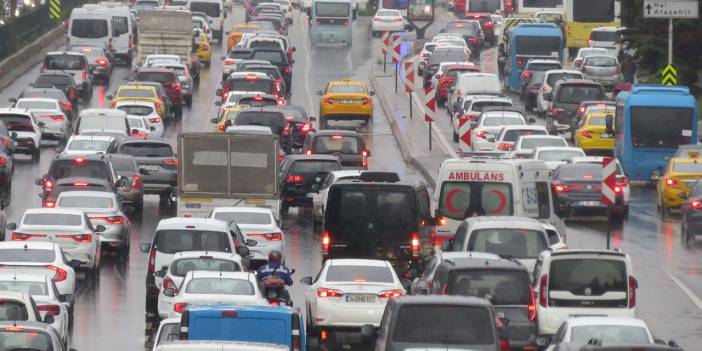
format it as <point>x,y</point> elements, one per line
<point>243,251</point>
<point>100,228</point>
<point>609,123</point>
<point>75,264</point>
<point>145,248</point>
<point>320,93</point>
<point>447,245</point>
<point>160,274</point>
<point>222,58</point>
<point>12,100</point>
<point>543,341</point>
<point>306,281</point>
<point>49,319</point>
<point>672,343</point>
<point>4,203</point>
<point>505,321</point>
<point>144,171</point>
<point>531,120</point>
<point>683,196</point>
<point>41,124</point>
<point>294,49</point>
<point>152,128</point>
<point>406,283</point>
<point>68,298</point>
<point>170,292</point>
<point>43,196</point>
<point>60,148</point>
<point>39,181</point>
<point>313,119</point>
<point>251,242</point>
<point>109,97</point>
<point>218,103</point>
<point>473,125</point>
<point>491,139</point>
<point>367,332</point>
<point>228,123</point>
<point>218,92</point>
<point>12,226</point>
<point>548,96</point>
<point>214,120</point>
<point>13,135</point>
<point>135,131</point>
<point>371,93</point>
<point>315,188</point>
<point>285,226</point>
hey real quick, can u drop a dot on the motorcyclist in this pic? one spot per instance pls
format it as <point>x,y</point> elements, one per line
<point>276,269</point>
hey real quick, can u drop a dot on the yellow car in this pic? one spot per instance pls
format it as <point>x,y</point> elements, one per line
<point>203,49</point>
<point>226,114</point>
<point>139,92</point>
<point>345,99</point>
<point>238,31</point>
<point>591,134</point>
<point>677,182</point>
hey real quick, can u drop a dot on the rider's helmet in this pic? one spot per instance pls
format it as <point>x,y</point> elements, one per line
<point>275,257</point>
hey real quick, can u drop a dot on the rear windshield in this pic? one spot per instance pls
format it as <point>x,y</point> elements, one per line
<point>265,86</point>
<point>456,72</point>
<point>274,57</point>
<point>350,209</point>
<point>169,332</point>
<point>102,123</point>
<point>589,172</point>
<point>17,123</point>
<point>517,243</point>
<point>609,334</point>
<point>27,287</point>
<point>244,217</point>
<point>64,62</point>
<point>591,277</point>
<point>89,28</point>
<point>495,121</point>
<point>211,9</point>
<point>559,155</point>
<point>274,120</point>
<point>359,274</point>
<point>146,150</point>
<point>122,164</point>
<point>136,93</point>
<point>181,267</point>
<point>575,94</point>
<point>313,166</point>
<point>553,78</point>
<point>159,77</point>
<point>337,144</point>
<point>52,219</point>
<point>543,66</point>
<point>610,36</point>
<point>86,202</point>
<point>533,143</point>
<point>136,110</point>
<point>220,286</point>
<point>463,28</point>
<point>239,55</point>
<point>687,167</point>
<point>27,255</point>
<point>50,80</point>
<point>479,106</point>
<point>499,286</point>
<point>266,44</point>
<point>86,169</point>
<point>135,122</point>
<point>37,105</point>
<point>460,200</point>
<point>344,89</point>
<point>44,93</point>
<point>89,145</point>
<point>436,325</point>
<point>18,340</point>
<point>257,102</point>
<point>513,135</point>
<point>597,121</point>
<point>601,61</point>
<point>13,311</point>
<point>171,241</point>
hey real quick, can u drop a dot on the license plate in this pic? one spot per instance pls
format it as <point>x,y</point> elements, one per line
<point>589,203</point>
<point>153,168</point>
<point>254,201</point>
<point>605,135</point>
<point>360,298</point>
<point>310,195</point>
<point>347,101</point>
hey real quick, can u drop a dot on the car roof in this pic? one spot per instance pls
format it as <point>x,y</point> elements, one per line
<point>583,321</point>
<point>524,127</point>
<point>198,223</point>
<point>440,300</point>
<point>346,173</point>
<point>87,193</point>
<point>574,252</point>
<point>482,262</point>
<point>357,262</point>
<point>7,294</point>
<point>327,132</point>
<point>544,61</point>
<point>575,82</point>
<point>37,99</point>
<point>162,141</point>
<point>92,157</point>
<point>103,112</point>
<point>554,71</point>
<point>134,103</point>
<point>447,255</point>
<point>15,111</point>
<point>476,98</point>
<point>247,209</point>
<point>557,148</point>
<point>314,157</point>
<point>26,324</point>
<point>541,137</point>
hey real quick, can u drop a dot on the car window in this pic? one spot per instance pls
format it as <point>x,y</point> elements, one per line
<point>11,310</point>
<point>359,274</point>
<point>591,277</point>
<point>479,106</point>
<point>514,134</point>
<point>559,155</point>
<point>555,77</point>
<point>19,339</point>
<point>436,325</point>
<point>86,202</point>
<point>587,171</point>
<point>175,240</point>
<point>517,243</point>
<point>494,121</point>
<point>609,334</point>
<point>274,57</point>
<point>135,93</point>
<point>533,143</point>
<point>304,166</point>
<point>136,110</point>
<point>574,94</point>
<point>598,61</point>
<point>37,105</point>
<point>120,25</point>
<point>49,80</point>
<point>265,86</point>
<point>211,9</point>
<point>687,167</point>
<point>348,89</point>
<point>181,267</point>
<point>274,120</point>
<point>89,28</point>
<point>220,286</point>
<point>102,123</point>
<point>459,200</point>
<point>27,255</point>
<point>244,217</point>
<point>169,332</point>
<point>331,144</point>
<point>499,286</point>
<point>28,287</point>
<point>53,219</point>
<point>136,122</point>
<point>17,123</point>
<point>69,168</point>
<point>146,150</point>
<point>159,77</point>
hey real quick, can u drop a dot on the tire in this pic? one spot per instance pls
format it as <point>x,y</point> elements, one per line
<point>178,112</point>
<point>189,101</point>
<point>36,154</point>
<point>455,137</point>
<point>284,209</point>
<point>322,123</point>
<point>207,64</point>
<point>687,238</point>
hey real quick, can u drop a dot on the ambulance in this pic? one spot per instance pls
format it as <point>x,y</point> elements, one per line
<point>492,186</point>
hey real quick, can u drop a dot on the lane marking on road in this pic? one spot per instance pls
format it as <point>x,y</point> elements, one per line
<point>691,295</point>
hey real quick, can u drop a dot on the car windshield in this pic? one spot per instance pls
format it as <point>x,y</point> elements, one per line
<point>514,134</point>
<point>311,166</point>
<point>591,277</point>
<point>146,150</point>
<point>533,143</point>
<point>170,241</point>
<point>599,61</point>
<point>220,286</point>
<point>333,144</point>
<point>159,77</point>
<point>499,286</point>
<point>53,219</point>
<point>435,324</point>
<point>136,110</point>
<point>609,334</point>
<point>22,339</point>
<point>26,255</point>
<point>265,86</point>
<point>494,121</point>
<point>17,123</point>
<point>244,217</point>
<point>86,202</point>
<point>274,57</point>
<point>100,122</point>
<point>81,169</point>
<point>460,200</point>
<point>575,94</point>
<point>27,287</point>
<point>211,9</point>
<point>89,28</point>
<point>540,67</point>
<point>64,62</point>
<point>348,89</point>
<point>37,105</point>
<point>181,267</point>
<point>553,78</point>
<point>50,80</point>
<point>517,243</point>
<point>559,155</point>
<point>136,93</point>
<point>359,274</point>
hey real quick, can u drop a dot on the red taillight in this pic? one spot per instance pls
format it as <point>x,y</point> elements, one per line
<point>306,127</point>
<point>504,146</point>
<point>157,104</point>
<point>415,245</point>
<point>504,345</point>
<point>696,204</point>
<point>84,74</point>
<point>520,61</point>
<point>589,42</point>
<point>101,62</point>
<point>473,40</point>
<point>526,75</point>
<point>80,184</point>
<point>176,86</point>
<point>329,101</point>
<point>155,120</point>
<point>79,238</point>
<point>137,182</point>
<point>170,162</point>
<point>543,290</point>
<point>346,22</point>
<point>632,292</point>
<point>556,111</point>
<point>111,220</point>
<point>23,236</point>
<point>586,134</point>
<point>295,179</point>
<point>481,134</point>
<point>5,142</point>
<point>671,182</point>
<point>366,101</point>
<point>286,70</point>
<point>560,188</point>
<point>60,275</point>
<point>386,294</point>
<point>54,117</point>
<point>229,62</point>
<point>179,307</point>
<point>326,240</point>
<point>2,159</point>
<point>269,236</point>
<point>532,305</point>
<point>49,204</point>
<point>51,310</point>
<point>131,41</point>
<point>152,260</point>
<point>326,292</point>
<point>168,283</point>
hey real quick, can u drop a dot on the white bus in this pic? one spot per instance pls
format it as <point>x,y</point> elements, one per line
<point>533,6</point>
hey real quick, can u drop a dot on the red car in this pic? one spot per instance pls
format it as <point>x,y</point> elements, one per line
<point>448,78</point>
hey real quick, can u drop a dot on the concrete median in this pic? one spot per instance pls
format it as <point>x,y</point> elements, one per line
<point>19,63</point>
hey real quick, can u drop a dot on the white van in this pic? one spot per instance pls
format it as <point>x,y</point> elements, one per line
<point>90,27</point>
<point>214,9</point>
<point>472,83</point>
<point>122,27</point>
<point>609,38</point>
<point>492,186</point>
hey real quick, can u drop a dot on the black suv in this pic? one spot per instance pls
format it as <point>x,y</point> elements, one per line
<point>278,58</point>
<point>269,69</point>
<point>72,166</point>
<point>565,99</point>
<point>503,282</point>
<point>298,174</point>
<point>300,123</point>
<point>63,81</point>
<point>348,146</point>
<point>377,216</point>
<point>578,188</point>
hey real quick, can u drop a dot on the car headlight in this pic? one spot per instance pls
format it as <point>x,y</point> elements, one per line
<point>427,8</point>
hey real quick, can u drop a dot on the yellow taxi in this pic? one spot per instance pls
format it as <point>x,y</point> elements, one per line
<point>139,92</point>
<point>227,114</point>
<point>238,31</point>
<point>203,49</point>
<point>345,99</point>
<point>680,177</point>
<point>592,135</point>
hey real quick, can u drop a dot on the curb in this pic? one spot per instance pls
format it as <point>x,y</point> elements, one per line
<point>19,63</point>
<point>397,133</point>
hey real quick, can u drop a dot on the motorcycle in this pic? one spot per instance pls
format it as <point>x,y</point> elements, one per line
<point>273,288</point>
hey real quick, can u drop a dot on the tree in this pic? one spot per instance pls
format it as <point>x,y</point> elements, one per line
<point>650,39</point>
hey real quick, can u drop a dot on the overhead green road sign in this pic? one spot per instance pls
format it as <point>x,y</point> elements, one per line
<point>669,76</point>
<point>55,9</point>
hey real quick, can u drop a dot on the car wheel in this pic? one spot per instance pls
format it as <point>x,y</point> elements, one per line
<point>36,153</point>
<point>284,208</point>
<point>455,137</point>
<point>178,112</point>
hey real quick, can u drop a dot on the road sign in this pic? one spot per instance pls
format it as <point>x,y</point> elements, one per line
<point>671,8</point>
<point>669,76</point>
<point>609,181</point>
<point>464,134</point>
<point>386,41</point>
<point>429,104</point>
<point>396,48</point>
<point>409,76</point>
<point>55,10</point>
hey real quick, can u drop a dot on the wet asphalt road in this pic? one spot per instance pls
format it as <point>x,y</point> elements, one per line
<point>109,312</point>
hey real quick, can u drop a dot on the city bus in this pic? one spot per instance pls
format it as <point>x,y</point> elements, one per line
<point>331,22</point>
<point>581,16</point>
<point>529,41</point>
<point>533,6</point>
<point>650,123</point>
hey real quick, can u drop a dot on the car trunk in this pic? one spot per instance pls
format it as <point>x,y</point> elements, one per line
<point>153,157</point>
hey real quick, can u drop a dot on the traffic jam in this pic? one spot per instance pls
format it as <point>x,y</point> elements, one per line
<point>177,189</point>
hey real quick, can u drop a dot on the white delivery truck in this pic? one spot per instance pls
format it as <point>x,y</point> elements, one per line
<point>166,32</point>
<point>227,169</point>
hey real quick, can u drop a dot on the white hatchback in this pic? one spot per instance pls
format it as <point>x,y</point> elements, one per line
<point>50,113</point>
<point>259,227</point>
<point>485,130</point>
<point>39,258</point>
<point>554,156</point>
<point>151,122</point>
<point>388,20</point>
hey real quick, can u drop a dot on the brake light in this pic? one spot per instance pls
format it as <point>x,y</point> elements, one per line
<point>504,345</point>
<point>415,245</point>
<point>671,182</point>
<point>269,236</point>
<point>386,294</point>
<point>309,152</point>
<point>589,42</point>
<point>179,307</point>
<point>286,70</point>
<point>176,86</point>
<point>2,160</point>
<point>560,188</point>
<point>520,61</point>
<point>473,40</point>
<point>296,179</point>
<point>152,260</point>
<point>366,101</point>
<point>251,77</point>
<point>51,310</point>
<point>155,120</point>
<point>228,62</point>
<point>131,41</point>
<point>532,305</point>
<point>23,236</point>
<point>329,101</point>
<point>49,204</point>
<point>632,292</point>
<point>111,220</point>
<point>306,127</point>
<point>326,292</point>
<point>101,61</point>
<point>526,74</point>
<point>170,162</point>
<point>84,74</point>
<point>168,283</point>
<point>54,117</point>
<point>80,184</point>
<point>543,290</point>
<point>586,134</point>
<point>5,142</point>
<point>556,111</point>
<point>345,23</point>
<point>79,238</point>
<point>157,104</point>
<point>481,134</point>
<point>488,24</point>
<point>137,182</point>
<point>60,275</point>
<point>326,240</point>
<point>696,204</point>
